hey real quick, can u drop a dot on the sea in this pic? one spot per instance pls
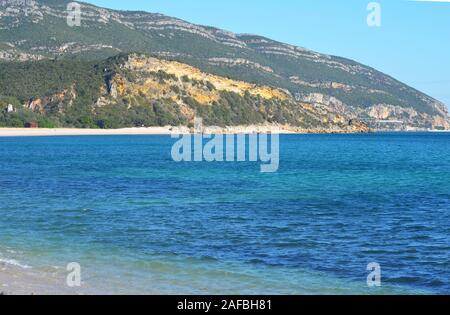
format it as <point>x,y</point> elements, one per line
<point>137,222</point>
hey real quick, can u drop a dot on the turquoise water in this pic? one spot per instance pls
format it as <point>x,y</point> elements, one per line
<point>137,222</point>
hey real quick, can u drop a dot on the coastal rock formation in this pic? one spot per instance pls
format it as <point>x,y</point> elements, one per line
<point>392,117</point>
<point>189,92</point>
<point>138,90</point>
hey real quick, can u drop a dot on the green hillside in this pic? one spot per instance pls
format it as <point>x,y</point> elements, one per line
<point>40,31</point>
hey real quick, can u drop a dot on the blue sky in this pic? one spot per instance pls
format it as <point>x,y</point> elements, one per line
<point>412,44</point>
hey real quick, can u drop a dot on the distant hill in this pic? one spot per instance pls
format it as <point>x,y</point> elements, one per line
<point>31,31</point>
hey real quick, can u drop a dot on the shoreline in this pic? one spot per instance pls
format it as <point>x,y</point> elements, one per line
<point>169,130</point>
<point>49,132</point>
<point>160,131</point>
<point>50,281</point>
<point>15,280</point>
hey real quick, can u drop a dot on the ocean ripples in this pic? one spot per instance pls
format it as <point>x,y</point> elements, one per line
<point>336,204</point>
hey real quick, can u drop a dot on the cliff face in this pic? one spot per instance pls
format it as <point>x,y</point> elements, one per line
<point>142,65</point>
<point>407,118</point>
<point>134,90</point>
<point>187,92</point>
<point>385,116</point>
<point>64,97</point>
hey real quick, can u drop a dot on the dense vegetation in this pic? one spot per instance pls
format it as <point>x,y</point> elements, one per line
<point>82,81</point>
<point>65,94</point>
<point>21,83</point>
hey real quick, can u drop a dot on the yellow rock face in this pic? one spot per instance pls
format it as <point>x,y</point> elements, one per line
<point>144,80</point>
<point>149,64</point>
<point>204,99</point>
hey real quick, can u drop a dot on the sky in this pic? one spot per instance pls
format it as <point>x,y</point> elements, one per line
<point>412,43</point>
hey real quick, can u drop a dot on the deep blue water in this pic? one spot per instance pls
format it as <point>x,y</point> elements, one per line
<point>139,222</point>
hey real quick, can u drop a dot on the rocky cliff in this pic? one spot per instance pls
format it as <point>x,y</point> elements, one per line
<point>187,92</point>
<point>135,90</point>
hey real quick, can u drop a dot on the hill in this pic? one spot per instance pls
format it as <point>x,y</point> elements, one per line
<point>135,90</point>
<point>36,30</point>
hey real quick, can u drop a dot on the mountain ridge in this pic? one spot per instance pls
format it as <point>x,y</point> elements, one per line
<point>341,84</point>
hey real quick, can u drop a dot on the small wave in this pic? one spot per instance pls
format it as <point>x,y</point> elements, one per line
<point>14,262</point>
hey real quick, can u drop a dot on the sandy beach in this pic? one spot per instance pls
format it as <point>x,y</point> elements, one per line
<point>30,132</point>
<point>168,130</point>
<point>18,281</point>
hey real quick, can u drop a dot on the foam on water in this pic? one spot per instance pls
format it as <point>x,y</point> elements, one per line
<point>14,262</point>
